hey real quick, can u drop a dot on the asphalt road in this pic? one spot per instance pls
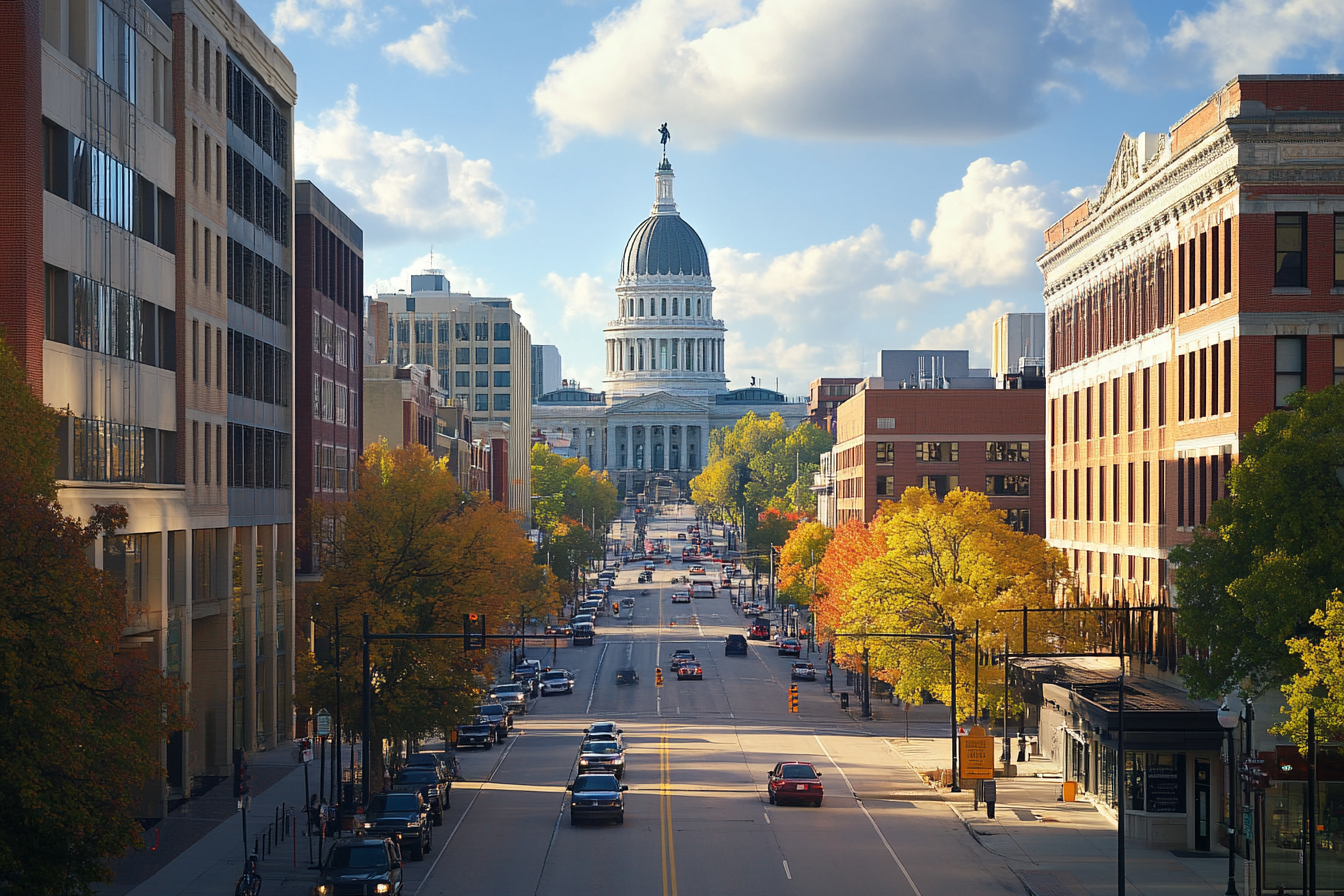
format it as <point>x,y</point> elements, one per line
<point>697,817</point>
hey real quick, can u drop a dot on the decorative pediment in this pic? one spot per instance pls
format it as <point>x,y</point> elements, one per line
<point>1130,158</point>
<point>660,403</point>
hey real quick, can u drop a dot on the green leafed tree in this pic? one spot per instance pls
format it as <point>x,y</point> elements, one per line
<point>1270,554</point>
<point>80,722</point>
<point>761,464</point>
<point>1320,685</point>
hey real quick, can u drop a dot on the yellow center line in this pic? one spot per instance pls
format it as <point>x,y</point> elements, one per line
<point>665,813</point>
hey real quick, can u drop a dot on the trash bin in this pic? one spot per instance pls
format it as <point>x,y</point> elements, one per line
<point>1070,791</point>
<point>844,700</point>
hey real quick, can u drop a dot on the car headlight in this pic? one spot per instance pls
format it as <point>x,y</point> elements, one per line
<point>583,762</point>
<point>383,888</point>
<point>321,890</point>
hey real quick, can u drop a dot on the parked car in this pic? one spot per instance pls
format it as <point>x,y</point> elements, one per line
<point>597,797</point>
<point>402,817</point>
<point>798,782</point>
<point>499,715</point>
<point>802,672</point>
<point>479,732</point>
<point>513,695</point>
<point>429,759</point>
<point>644,578</point>
<point>736,645</point>
<point>556,681</point>
<point>426,782</point>
<point>361,865</point>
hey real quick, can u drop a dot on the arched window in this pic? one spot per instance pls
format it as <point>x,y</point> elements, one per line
<point>641,353</point>
<point>697,307</point>
<point>664,307</point>
<point>674,307</point>
<point>630,364</point>
<point>641,307</point>
<point>630,312</point>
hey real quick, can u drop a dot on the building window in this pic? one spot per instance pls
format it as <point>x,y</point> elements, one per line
<point>502,354</point>
<point>886,486</point>
<point>1008,452</point>
<point>482,332</point>
<point>882,422</point>
<point>482,356</point>
<point>462,332</point>
<point>886,452</point>
<point>1339,250</point>
<point>502,401</point>
<point>1162,394</point>
<point>1019,520</point>
<point>482,401</point>
<point>1008,485</point>
<point>1289,358</point>
<point>501,379</point>
<point>462,378</point>
<point>464,356</point>
<point>937,452</point>
<point>501,332</point>
<point>1339,359</point>
<point>1290,252</point>
<point>939,485</point>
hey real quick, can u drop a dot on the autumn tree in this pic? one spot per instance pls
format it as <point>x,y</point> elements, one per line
<point>762,464</point>
<point>80,724</point>
<point>416,553</point>
<point>1320,685</point>
<point>568,490</point>
<point>800,561</point>
<point>1269,557</point>
<point>945,566</point>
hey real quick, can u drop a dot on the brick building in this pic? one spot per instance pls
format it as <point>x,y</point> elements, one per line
<point>1184,303</point>
<point>990,440</point>
<point>329,328</point>
<point>825,395</point>
<point>145,201</point>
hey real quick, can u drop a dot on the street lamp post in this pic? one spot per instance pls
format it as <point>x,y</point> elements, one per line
<point>1228,718</point>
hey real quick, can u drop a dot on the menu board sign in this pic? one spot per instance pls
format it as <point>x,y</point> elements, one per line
<point>1165,782</point>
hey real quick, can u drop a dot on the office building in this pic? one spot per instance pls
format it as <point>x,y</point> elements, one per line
<point>545,370</point>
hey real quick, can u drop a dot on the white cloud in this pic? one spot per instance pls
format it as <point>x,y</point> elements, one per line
<point>427,48</point>
<point>918,228</point>
<point>1256,36</point>
<point>586,299</point>
<point>336,20</point>
<point>972,332</point>
<point>413,184</point>
<point>1102,36</point>
<point>459,279</point>
<point>826,69</point>
<point>988,231</point>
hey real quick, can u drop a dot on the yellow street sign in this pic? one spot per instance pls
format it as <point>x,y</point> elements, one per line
<point>976,754</point>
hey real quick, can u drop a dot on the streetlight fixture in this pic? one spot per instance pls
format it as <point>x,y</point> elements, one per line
<point>1229,718</point>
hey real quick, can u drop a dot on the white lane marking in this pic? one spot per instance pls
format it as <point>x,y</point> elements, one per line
<point>444,849</point>
<point>786,869</point>
<point>597,675</point>
<point>767,817</point>
<point>895,858</point>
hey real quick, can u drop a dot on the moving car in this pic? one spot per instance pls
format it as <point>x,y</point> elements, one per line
<point>681,597</point>
<point>513,695</point>
<point>499,715</point>
<point>682,651</point>
<point>426,782</point>
<point>627,601</point>
<point>790,647</point>
<point>802,672</point>
<point>477,733</point>
<point>564,629</point>
<point>687,669</point>
<point>798,782</point>
<point>696,571</point>
<point>402,817</point>
<point>627,676</point>
<point>597,797</point>
<point>583,634</point>
<point>361,865</point>
<point>759,631</point>
<point>602,754</point>
<point>736,645</point>
<point>556,681</point>
<point>600,729</point>
<point>681,536</point>
<point>644,578</point>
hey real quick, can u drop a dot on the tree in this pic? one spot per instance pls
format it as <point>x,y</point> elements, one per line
<point>946,566</point>
<point>1269,556</point>
<point>567,489</point>
<point>800,561</point>
<point>1321,684</point>
<point>760,463</point>
<point>80,723</point>
<point>416,553</point>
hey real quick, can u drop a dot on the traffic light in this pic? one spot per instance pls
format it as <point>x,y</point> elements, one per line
<point>793,698</point>
<point>473,631</point>
<point>658,677</point>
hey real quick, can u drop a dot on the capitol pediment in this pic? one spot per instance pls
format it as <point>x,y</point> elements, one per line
<point>660,403</point>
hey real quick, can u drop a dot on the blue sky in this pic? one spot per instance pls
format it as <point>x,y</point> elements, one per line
<point>866,174</point>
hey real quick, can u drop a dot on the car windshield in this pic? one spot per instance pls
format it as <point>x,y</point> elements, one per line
<point>393,802</point>
<point>595,783</point>
<point>798,771</point>
<point>366,857</point>
<point>553,676</point>
<point>490,709</point>
<point>427,777</point>
<point>508,688</point>
<point>601,746</point>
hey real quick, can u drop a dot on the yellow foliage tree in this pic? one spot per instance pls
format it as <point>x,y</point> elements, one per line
<point>1321,684</point>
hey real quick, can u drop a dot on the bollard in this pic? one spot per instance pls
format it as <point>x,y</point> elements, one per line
<point>989,792</point>
<point>844,699</point>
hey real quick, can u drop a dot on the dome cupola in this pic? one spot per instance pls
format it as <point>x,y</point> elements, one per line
<point>664,244</point>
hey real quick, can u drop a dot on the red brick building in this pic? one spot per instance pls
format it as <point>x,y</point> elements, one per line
<point>985,440</point>
<point>825,395</point>
<point>1202,287</point>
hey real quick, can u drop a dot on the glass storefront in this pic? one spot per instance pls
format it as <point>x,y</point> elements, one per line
<point>1284,814</point>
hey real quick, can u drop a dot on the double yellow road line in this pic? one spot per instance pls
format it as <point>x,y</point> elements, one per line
<point>665,817</point>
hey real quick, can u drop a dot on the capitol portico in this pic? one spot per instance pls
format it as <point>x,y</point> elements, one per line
<point>665,381</point>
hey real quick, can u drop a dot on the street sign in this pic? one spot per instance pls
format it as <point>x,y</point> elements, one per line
<point>323,723</point>
<point>976,754</point>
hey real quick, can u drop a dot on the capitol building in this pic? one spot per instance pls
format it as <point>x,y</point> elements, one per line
<point>665,385</point>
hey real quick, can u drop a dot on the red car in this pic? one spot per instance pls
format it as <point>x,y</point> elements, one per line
<point>794,781</point>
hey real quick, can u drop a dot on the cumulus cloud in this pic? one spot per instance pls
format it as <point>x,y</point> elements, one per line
<point>427,49</point>
<point>413,184</point>
<point>459,279</point>
<point>972,332</point>
<point>586,299</point>
<point>988,231</point>
<point>1256,36</point>
<point>1101,36</point>
<point>333,20</point>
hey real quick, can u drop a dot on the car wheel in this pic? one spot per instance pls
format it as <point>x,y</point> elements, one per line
<point>488,744</point>
<point>573,822</point>
<point>817,804</point>
<point>419,853</point>
<point>620,819</point>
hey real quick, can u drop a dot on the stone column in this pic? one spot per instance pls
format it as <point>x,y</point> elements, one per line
<point>704,444</point>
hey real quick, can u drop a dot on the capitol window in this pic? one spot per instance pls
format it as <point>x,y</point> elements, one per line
<point>674,307</point>
<point>641,307</point>
<point>664,307</point>
<point>697,307</point>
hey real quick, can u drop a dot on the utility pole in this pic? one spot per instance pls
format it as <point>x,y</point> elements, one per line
<point>1124,787</point>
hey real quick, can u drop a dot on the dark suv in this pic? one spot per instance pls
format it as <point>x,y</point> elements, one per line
<point>402,817</point>
<point>735,646</point>
<point>361,865</point>
<point>500,716</point>
<point>426,782</point>
<point>597,797</point>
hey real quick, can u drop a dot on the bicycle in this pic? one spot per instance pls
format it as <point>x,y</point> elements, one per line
<point>250,883</point>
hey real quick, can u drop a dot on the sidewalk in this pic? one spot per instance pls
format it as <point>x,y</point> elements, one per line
<point>200,846</point>
<point>1058,848</point>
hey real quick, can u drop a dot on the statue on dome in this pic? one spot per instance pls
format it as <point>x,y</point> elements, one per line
<point>664,135</point>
